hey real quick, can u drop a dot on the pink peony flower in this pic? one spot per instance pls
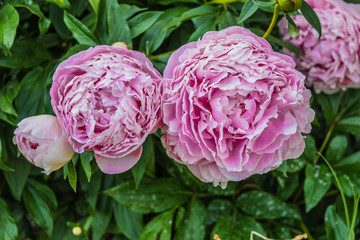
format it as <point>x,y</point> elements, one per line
<point>41,141</point>
<point>333,63</point>
<point>232,107</point>
<point>107,99</point>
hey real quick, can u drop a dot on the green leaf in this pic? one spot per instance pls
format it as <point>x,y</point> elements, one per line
<point>119,32</point>
<point>72,175</point>
<point>102,218</point>
<point>289,186</point>
<point>350,103</point>
<point>193,223</point>
<point>247,11</point>
<point>311,17</point>
<point>329,105</point>
<point>7,96</point>
<point>336,149</point>
<point>317,183</point>
<point>9,21</point>
<point>44,22</point>
<point>128,222</point>
<point>206,23</point>
<point>26,53</point>
<point>143,21</point>
<point>310,149</point>
<point>8,228</point>
<point>265,205</point>
<point>80,32</point>
<point>73,50</point>
<point>217,209</point>
<point>17,179</point>
<point>198,11</point>
<point>160,227</point>
<point>31,97</point>
<point>38,208</point>
<point>168,2</point>
<point>292,28</point>
<point>64,4</point>
<point>95,5</point>
<point>292,165</point>
<point>139,169</point>
<point>86,158</point>
<point>335,227</point>
<point>44,192</point>
<point>227,228</point>
<point>349,125</point>
<point>155,195</point>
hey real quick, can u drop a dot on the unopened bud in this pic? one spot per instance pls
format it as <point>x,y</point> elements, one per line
<point>120,44</point>
<point>289,6</point>
<point>76,231</point>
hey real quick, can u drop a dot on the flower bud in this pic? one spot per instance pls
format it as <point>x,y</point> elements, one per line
<point>290,5</point>
<point>120,44</point>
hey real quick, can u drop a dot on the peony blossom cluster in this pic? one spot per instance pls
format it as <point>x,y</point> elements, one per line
<point>229,106</point>
<point>232,107</point>
<point>333,62</point>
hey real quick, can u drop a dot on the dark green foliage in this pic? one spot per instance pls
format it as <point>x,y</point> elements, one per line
<point>159,198</point>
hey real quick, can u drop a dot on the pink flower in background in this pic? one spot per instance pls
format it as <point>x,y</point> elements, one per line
<point>333,63</point>
<point>107,99</point>
<point>232,107</point>
<point>41,141</point>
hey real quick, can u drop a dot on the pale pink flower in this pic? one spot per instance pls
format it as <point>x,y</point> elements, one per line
<point>232,107</point>
<point>107,100</point>
<point>333,63</point>
<point>41,141</point>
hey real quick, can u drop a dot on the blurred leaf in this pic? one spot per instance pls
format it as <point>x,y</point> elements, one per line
<point>218,208</point>
<point>64,4</point>
<point>80,32</point>
<point>311,17</point>
<point>44,192</point>
<point>8,228</point>
<point>57,18</point>
<point>335,227</point>
<point>292,165</point>
<point>141,22</point>
<point>329,105</point>
<point>317,183</point>
<point>9,21</point>
<point>198,11</point>
<point>44,22</point>
<point>193,223</point>
<point>247,11</point>
<point>157,33</point>
<point>336,149</point>
<point>349,168</point>
<point>128,222</point>
<point>168,2</point>
<point>228,228</point>
<point>7,96</point>
<point>160,227</point>
<point>95,5</point>
<point>351,102</point>
<point>17,179</point>
<point>31,97</point>
<point>291,183</point>
<point>139,169</point>
<point>86,158</point>
<point>119,32</point>
<point>130,10</point>
<point>349,125</point>
<point>72,175</point>
<point>102,218</point>
<point>205,23</point>
<point>310,149</point>
<point>155,195</point>
<point>265,205</point>
<point>292,28</point>
<point>26,53</point>
<point>38,208</point>
<point>290,46</point>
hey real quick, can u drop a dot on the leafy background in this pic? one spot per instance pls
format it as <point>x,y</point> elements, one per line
<point>159,198</point>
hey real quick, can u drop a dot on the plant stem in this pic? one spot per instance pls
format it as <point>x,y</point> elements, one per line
<point>324,144</point>
<point>306,230</point>
<point>161,55</point>
<point>273,21</point>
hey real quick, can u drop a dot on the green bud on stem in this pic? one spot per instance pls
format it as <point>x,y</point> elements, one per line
<point>289,6</point>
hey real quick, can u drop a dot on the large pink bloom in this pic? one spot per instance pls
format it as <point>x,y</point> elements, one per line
<point>232,107</point>
<point>107,99</point>
<point>332,63</point>
<point>41,141</point>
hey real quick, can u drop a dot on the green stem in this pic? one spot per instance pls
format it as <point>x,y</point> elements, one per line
<point>161,55</point>
<point>273,21</point>
<point>341,191</point>
<point>306,230</point>
<point>324,144</point>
